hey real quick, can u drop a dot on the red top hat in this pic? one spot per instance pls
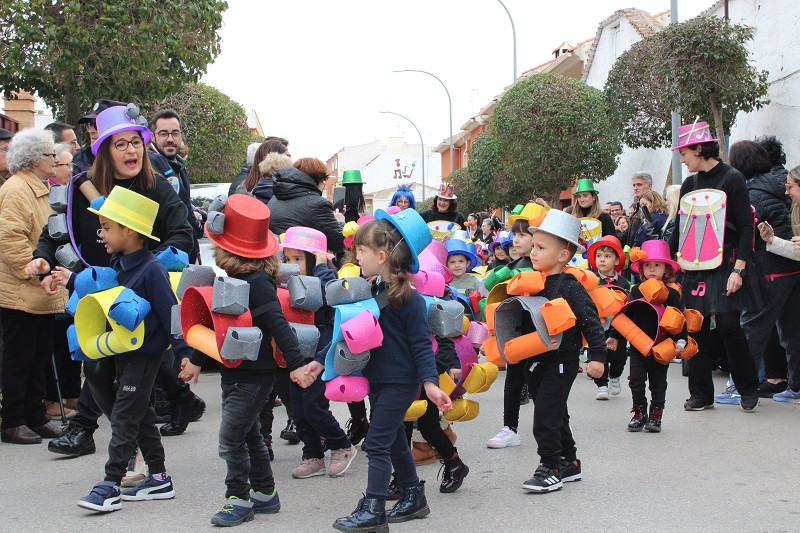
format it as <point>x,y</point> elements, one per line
<point>612,242</point>
<point>246,231</point>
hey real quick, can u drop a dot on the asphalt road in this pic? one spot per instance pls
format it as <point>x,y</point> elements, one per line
<point>718,470</point>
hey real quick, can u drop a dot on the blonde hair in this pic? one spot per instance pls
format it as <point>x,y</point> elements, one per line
<point>795,175</point>
<point>594,211</point>
<point>236,265</point>
<point>657,203</point>
<point>272,162</point>
<point>673,196</point>
<point>382,235</point>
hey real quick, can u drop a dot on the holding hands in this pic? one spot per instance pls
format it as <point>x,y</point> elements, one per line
<point>189,371</point>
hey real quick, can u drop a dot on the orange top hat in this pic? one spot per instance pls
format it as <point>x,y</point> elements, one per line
<point>612,242</point>
<point>246,228</point>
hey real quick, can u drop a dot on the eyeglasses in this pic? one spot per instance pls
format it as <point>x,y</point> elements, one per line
<point>53,155</point>
<point>164,134</point>
<point>122,144</point>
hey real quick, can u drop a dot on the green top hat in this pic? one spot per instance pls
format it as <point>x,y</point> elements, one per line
<point>585,185</point>
<point>352,177</point>
<point>129,209</point>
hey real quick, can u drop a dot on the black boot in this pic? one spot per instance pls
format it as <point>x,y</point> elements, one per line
<point>524,396</point>
<point>357,430</point>
<point>454,473</point>
<point>394,489</point>
<point>289,433</point>
<point>370,515</point>
<point>639,418</point>
<point>412,504</point>
<point>654,421</point>
<point>75,441</point>
<point>182,414</point>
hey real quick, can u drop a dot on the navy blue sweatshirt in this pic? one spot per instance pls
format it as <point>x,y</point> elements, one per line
<point>406,355</point>
<point>324,316</point>
<point>141,272</point>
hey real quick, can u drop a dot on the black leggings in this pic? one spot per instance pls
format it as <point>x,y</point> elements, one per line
<point>515,380</point>
<point>280,390</point>
<point>647,369</point>
<point>431,430</point>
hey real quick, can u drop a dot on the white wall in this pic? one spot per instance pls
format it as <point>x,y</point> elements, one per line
<point>379,173</point>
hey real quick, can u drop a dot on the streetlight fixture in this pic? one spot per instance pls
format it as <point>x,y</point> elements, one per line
<point>514,37</point>
<point>450,106</point>
<point>421,142</point>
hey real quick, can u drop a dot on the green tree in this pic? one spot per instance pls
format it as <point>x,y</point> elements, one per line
<point>215,129</point>
<point>471,197</point>
<point>74,52</point>
<point>551,130</point>
<point>485,172</point>
<point>700,67</point>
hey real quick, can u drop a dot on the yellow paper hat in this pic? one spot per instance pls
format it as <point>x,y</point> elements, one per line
<point>528,212</point>
<point>129,209</point>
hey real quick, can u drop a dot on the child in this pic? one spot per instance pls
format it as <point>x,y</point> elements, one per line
<point>246,250</point>
<point>388,249</point>
<point>515,390</point>
<point>606,259</point>
<point>499,251</point>
<point>133,419</point>
<point>460,261</point>
<point>657,265</point>
<point>311,413</point>
<point>550,375</point>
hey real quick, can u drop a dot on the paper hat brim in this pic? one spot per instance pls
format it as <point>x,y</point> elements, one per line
<point>119,220</point>
<point>143,130</point>
<point>580,247</point>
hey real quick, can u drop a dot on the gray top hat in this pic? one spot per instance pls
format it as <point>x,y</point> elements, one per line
<point>347,291</point>
<point>562,225</point>
<point>305,293</point>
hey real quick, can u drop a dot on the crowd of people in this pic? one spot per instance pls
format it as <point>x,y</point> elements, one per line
<point>703,259</point>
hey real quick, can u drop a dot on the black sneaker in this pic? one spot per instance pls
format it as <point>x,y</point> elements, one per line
<point>749,401</point>
<point>545,479</point>
<point>524,396</point>
<point>696,404</point>
<point>570,470</point>
<point>289,433</point>
<point>356,430</point>
<point>767,389</point>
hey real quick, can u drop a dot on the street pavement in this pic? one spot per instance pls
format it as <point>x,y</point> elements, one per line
<point>717,470</point>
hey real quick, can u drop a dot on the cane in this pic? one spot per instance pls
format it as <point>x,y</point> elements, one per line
<point>58,390</point>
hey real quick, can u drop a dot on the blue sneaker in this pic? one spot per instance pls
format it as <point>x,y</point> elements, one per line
<point>104,498</point>
<point>265,503</point>
<point>153,487</point>
<point>787,396</point>
<point>730,397</point>
<point>235,511</point>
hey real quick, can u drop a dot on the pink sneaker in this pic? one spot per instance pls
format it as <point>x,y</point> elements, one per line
<point>340,461</point>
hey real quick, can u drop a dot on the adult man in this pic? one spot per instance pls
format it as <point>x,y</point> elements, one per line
<point>607,208</point>
<point>641,182</point>
<point>242,175</point>
<point>64,133</point>
<point>63,163</point>
<point>167,140</point>
<point>5,139</point>
<point>83,158</point>
<point>617,209</point>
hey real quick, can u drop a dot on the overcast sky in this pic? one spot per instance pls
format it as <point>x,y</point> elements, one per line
<point>319,71</point>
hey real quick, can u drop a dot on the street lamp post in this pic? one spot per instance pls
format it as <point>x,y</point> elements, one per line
<point>514,37</point>
<point>450,106</point>
<point>675,117</point>
<point>421,142</point>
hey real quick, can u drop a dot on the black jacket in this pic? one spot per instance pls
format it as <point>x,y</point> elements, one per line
<point>768,196</point>
<point>297,201</point>
<point>178,168</point>
<point>434,214</point>
<point>238,180</point>
<point>264,190</point>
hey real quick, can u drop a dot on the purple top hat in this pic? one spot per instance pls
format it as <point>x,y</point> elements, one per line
<point>692,134</point>
<point>117,119</point>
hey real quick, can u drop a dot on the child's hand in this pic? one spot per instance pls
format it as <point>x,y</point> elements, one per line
<point>321,258</point>
<point>612,344</point>
<point>61,275</point>
<point>796,241</point>
<point>189,371</point>
<point>438,397</point>
<point>301,377</point>
<point>314,368</point>
<point>680,344</point>
<point>595,369</point>
<point>49,285</point>
<point>455,373</point>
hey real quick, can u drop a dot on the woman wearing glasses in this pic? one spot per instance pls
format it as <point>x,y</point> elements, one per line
<point>26,311</point>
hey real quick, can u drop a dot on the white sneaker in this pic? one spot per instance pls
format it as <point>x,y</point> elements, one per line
<point>613,386</point>
<point>602,393</point>
<point>506,437</point>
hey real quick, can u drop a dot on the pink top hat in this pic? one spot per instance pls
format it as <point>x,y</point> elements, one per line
<point>692,134</point>
<point>117,119</point>
<point>306,239</point>
<point>434,258</point>
<point>656,250</point>
<point>347,389</point>
<point>429,283</point>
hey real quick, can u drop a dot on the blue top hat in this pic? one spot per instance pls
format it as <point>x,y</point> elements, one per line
<point>413,229</point>
<point>459,247</point>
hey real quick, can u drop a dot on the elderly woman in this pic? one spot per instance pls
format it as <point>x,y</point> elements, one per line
<point>26,310</point>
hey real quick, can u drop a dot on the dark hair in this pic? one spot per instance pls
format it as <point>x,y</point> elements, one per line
<point>565,244</point>
<point>311,260</point>
<point>749,158</point>
<point>453,205</point>
<point>354,197</point>
<point>279,139</point>
<point>774,149</point>
<point>382,235</point>
<point>58,129</point>
<point>708,150</point>
<point>254,174</point>
<point>163,113</point>
<point>619,204</point>
<point>312,167</point>
<point>520,226</point>
<point>102,170</point>
<point>669,275</point>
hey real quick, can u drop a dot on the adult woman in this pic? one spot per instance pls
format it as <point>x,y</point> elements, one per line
<point>716,292</point>
<point>352,205</point>
<point>587,205</point>
<point>254,175</point>
<point>657,207</point>
<point>673,197</point>
<point>779,276</point>
<point>403,198</point>
<point>298,201</point>
<point>444,206</point>
<point>120,161</point>
<point>26,310</point>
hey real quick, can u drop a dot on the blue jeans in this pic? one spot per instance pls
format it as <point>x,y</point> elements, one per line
<point>240,442</point>
<point>386,441</point>
<point>312,416</point>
